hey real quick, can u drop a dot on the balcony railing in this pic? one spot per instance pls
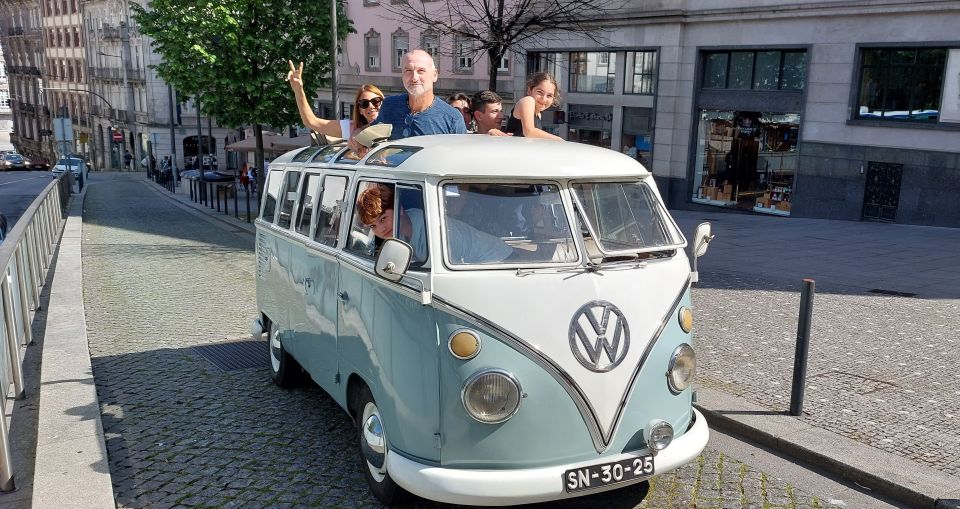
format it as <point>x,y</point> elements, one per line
<point>109,32</point>
<point>114,74</point>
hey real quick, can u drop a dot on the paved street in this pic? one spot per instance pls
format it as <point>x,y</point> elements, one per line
<point>161,282</point>
<point>18,189</point>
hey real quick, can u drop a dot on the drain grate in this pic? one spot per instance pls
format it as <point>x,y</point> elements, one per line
<point>892,292</point>
<point>236,355</point>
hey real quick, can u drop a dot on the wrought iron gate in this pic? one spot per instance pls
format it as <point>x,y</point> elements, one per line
<point>882,193</point>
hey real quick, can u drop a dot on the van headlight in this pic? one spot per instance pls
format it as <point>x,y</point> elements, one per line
<point>491,396</point>
<point>682,368</point>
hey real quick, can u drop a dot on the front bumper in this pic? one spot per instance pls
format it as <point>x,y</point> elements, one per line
<point>509,487</point>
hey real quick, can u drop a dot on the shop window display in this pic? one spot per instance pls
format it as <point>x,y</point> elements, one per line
<point>747,160</point>
<point>636,139</point>
<point>590,124</point>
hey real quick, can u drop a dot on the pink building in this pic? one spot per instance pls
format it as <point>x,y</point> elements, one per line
<point>372,55</point>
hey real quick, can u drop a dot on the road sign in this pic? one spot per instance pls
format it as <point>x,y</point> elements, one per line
<point>46,132</point>
<point>117,136</point>
<point>63,129</point>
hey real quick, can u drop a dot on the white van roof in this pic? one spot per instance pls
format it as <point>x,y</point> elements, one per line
<point>463,155</point>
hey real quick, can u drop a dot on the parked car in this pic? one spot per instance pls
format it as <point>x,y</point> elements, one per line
<point>38,164</point>
<point>73,162</point>
<point>13,161</point>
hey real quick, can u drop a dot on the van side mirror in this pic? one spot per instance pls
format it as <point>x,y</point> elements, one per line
<point>701,239</point>
<point>394,259</point>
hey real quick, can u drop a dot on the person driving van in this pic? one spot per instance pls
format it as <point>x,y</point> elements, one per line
<point>467,244</point>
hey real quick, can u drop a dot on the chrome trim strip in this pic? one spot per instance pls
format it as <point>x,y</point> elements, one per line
<point>558,374</point>
<point>601,440</point>
<point>646,353</point>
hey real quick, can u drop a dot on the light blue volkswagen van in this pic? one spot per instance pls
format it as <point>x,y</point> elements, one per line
<point>507,320</point>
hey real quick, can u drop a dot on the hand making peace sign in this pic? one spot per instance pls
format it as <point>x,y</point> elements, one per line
<point>295,75</point>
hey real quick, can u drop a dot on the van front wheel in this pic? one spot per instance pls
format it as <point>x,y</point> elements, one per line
<point>373,451</point>
<point>283,368</point>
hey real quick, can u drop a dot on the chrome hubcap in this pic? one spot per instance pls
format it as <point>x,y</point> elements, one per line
<point>275,350</point>
<point>373,444</point>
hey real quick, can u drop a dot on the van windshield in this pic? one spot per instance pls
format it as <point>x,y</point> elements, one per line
<point>626,217</point>
<point>489,224</point>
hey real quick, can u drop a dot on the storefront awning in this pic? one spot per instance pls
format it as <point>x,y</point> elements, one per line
<point>271,143</point>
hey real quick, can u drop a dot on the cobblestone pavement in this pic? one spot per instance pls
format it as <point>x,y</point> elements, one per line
<point>181,432</point>
<point>881,368</point>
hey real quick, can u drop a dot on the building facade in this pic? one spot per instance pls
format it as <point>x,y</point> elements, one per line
<point>4,93</point>
<point>23,54</point>
<point>839,109</point>
<point>86,60</point>
<point>138,112</point>
<point>372,55</point>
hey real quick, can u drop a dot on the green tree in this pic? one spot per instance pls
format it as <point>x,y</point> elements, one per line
<point>233,54</point>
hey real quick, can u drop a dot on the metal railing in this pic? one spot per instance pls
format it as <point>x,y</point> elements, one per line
<point>25,257</point>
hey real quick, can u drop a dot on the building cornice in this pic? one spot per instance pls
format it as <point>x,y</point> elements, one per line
<point>839,8</point>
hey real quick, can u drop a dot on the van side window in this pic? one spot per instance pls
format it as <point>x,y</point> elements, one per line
<point>411,224</point>
<point>369,211</point>
<point>288,196</point>
<point>331,203</point>
<point>376,218</point>
<point>274,179</point>
<point>307,194</point>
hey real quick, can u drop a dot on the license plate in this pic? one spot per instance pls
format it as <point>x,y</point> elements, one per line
<point>605,474</point>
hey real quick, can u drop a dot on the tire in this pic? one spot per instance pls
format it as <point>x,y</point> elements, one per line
<point>381,484</point>
<point>285,371</point>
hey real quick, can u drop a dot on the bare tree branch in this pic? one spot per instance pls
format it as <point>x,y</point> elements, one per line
<point>498,27</point>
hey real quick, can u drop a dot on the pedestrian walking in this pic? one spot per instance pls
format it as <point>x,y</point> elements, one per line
<point>127,159</point>
<point>245,177</point>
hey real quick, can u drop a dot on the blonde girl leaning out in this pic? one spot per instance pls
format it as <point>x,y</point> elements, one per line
<point>524,120</point>
<point>366,107</point>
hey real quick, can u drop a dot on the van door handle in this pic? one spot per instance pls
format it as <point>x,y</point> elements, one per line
<point>344,296</point>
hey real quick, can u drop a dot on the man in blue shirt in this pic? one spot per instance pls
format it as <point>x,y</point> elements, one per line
<point>419,111</point>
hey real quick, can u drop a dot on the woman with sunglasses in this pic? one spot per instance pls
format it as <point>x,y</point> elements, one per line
<point>365,110</point>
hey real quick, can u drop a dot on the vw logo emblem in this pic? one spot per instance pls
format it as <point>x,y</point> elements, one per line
<point>599,336</point>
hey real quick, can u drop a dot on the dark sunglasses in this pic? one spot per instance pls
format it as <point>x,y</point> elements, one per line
<point>365,103</point>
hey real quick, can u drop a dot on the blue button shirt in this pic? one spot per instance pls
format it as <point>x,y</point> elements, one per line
<point>439,118</point>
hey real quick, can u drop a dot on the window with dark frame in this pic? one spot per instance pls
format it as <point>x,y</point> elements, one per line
<point>901,84</point>
<point>641,72</point>
<point>544,62</point>
<point>755,70</point>
<point>592,72</point>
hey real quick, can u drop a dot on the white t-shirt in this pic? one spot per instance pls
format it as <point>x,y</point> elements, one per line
<point>345,128</point>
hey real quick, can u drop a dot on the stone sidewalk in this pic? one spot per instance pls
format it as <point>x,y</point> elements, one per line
<point>882,382</point>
